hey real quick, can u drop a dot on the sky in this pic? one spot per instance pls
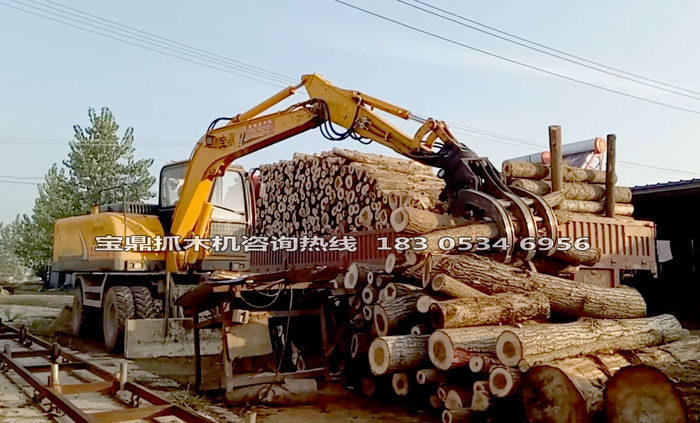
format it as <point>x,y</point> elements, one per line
<point>51,73</point>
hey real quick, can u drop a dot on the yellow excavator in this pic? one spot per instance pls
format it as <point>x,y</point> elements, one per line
<point>119,285</point>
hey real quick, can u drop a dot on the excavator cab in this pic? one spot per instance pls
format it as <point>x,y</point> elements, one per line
<point>232,216</point>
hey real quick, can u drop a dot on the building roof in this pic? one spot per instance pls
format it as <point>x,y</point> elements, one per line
<point>666,187</point>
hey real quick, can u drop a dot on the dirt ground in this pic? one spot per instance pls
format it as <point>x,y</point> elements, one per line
<point>173,377</point>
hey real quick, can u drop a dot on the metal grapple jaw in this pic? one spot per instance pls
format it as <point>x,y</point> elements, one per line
<point>474,189</point>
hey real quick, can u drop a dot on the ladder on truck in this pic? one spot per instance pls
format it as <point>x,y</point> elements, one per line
<point>51,395</point>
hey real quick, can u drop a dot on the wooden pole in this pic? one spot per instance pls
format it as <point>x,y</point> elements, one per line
<point>610,177</point>
<point>555,156</point>
<point>538,343</point>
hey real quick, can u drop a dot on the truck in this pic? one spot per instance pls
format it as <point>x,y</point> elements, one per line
<point>208,195</point>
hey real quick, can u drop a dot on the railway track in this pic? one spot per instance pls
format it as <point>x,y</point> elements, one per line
<point>43,365</point>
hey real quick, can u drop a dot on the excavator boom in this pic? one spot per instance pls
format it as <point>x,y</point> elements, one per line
<point>473,186</point>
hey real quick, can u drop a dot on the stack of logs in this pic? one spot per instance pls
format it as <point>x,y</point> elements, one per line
<point>340,191</point>
<point>584,189</point>
<point>472,337</point>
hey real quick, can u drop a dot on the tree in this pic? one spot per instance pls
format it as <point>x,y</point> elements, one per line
<point>98,159</point>
<point>10,264</point>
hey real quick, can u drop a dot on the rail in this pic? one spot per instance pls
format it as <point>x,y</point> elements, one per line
<point>58,359</point>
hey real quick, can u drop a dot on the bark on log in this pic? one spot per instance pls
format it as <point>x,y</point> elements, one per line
<point>537,343</point>
<point>392,315</point>
<point>575,191</point>
<point>512,170</point>
<point>451,348</point>
<point>358,274</point>
<point>395,290</point>
<point>554,199</point>
<point>390,354</point>
<point>568,390</point>
<point>396,165</point>
<point>490,310</point>
<point>411,220</point>
<point>571,390</point>
<point>576,257</point>
<point>503,381</point>
<point>472,231</point>
<point>596,207</point>
<point>451,287</point>
<point>554,267</point>
<point>565,296</point>
<point>658,393</point>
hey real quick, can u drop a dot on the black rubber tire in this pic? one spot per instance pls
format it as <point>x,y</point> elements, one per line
<point>118,307</point>
<point>79,318</point>
<point>143,303</point>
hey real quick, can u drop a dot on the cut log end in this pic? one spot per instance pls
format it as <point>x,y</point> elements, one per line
<point>440,350</point>
<point>458,398</point>
<point>368,295</point>
<point>424,303</point>
<point>549,396</point>
<point>399,219</point>
<point>435,401</point>
<point>508,349</point>
<point>358,344</point>
<point>476,363</point>
<point>427,268</point>
<point>390,263</point>
<point>481,397</point>
<point>399,381</point>
<point>351,277</point>
<point>411,258</point>
<point>456,416</point>
<point>438,282</point>
<point>367,312</point>
<point>379,356</point>
<point>503,381</point>
<point>381,321</point>
<point>643,394</point>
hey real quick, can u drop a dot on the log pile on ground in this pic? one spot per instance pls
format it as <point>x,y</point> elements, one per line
<point>477,336</point>
<point>464,333</point>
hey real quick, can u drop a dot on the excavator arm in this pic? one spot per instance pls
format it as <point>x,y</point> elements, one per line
<point>473,186</point>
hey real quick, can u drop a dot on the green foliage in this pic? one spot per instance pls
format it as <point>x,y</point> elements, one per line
<point>10,264</point>
<point>98,159</point>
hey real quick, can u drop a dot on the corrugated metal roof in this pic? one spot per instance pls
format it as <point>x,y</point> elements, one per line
<point>667,186</point>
